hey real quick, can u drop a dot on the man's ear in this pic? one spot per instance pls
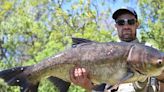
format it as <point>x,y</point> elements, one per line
<point>138,24</point>
<point>115,25</point>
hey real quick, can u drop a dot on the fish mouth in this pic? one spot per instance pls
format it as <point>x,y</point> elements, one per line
<point>140,71</point>
<point>162,68</point>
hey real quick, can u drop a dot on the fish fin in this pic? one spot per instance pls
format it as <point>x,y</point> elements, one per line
<point>62,85</point>
<point>127,76</point>
<point>77,41</point>
<point>14,77</point>
<point>29,87</point>
<point>99,88</point>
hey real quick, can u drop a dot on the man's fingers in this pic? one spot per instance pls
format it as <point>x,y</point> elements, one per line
<point>72,75</point>
<point>84,73</point>
<point>79,76</point>
<point>83,70</point>
<point>76,73</point>
<point>79,71</point>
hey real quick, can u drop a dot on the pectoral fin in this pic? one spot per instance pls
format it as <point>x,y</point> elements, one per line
<point>127,76</point>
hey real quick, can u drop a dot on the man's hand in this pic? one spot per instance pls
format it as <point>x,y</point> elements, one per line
<point>80,77</point>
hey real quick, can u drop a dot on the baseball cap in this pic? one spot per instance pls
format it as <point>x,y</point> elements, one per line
<point>124,10</point>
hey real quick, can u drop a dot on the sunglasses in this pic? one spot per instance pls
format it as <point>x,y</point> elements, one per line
<point>122,22</point>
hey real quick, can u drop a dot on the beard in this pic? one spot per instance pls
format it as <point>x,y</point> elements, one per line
<point>127,35</point>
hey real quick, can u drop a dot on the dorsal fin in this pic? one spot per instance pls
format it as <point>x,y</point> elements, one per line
<point>76,41</point>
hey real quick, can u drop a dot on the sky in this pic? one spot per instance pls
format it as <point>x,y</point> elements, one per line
<point>121,3</point>
<point>113,5</point>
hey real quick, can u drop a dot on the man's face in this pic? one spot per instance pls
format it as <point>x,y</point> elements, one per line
<point>126,25</point>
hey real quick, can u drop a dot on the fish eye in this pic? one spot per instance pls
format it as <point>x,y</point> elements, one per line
<point>159,61</point>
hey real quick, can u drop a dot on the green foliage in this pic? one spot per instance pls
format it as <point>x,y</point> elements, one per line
<point>46,86</point>
<point>5,88</point>
<point>153,20</point>
<point>74,88</point>
<point>32,30</point>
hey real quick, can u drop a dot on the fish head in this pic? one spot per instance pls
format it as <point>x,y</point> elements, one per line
<point>161,76</point>
<point>146,60</point>
<point>154,60</point>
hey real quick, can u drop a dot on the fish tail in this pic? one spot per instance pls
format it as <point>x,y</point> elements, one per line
<point>15,77</point>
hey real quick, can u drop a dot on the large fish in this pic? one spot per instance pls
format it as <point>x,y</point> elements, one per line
<point>112,62</point>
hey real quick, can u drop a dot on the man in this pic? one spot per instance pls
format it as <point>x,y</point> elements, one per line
<point>126,24</point>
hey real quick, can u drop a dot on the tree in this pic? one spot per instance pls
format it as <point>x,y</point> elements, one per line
<point>152,20</point>
<point>32,30</point>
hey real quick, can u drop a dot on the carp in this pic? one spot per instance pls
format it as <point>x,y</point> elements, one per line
<point>107,62</point>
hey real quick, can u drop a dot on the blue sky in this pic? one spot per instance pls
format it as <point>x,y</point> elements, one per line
<point>109,3</point>
<point>121,3</point>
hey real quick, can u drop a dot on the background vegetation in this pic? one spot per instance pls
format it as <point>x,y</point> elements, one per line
<point>31,30</point>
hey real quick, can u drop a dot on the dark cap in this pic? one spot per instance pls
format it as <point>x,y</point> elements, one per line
<point>122,11</point>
